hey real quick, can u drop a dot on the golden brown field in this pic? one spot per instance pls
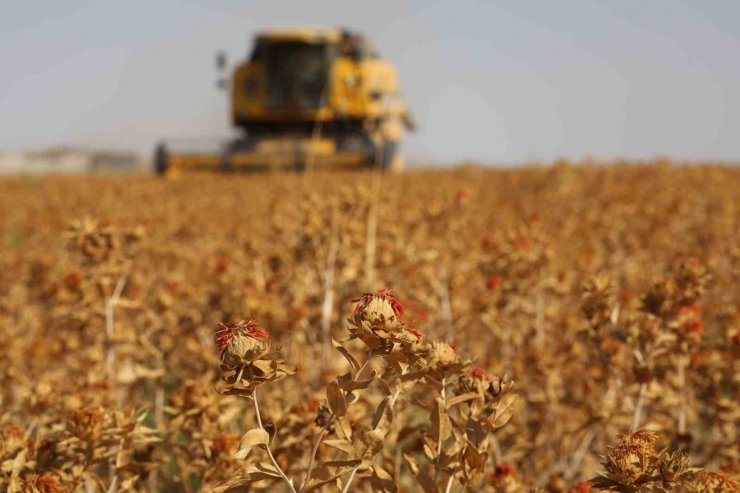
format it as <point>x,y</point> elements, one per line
<point>545,327</point>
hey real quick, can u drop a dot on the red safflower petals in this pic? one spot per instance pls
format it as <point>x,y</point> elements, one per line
<point>382,293</point>
<point>222,264</point>
<point>414,331</point>
<point>73,279</point>
<point>258,333</point>
<point>226,332</point>
<point>493,282</point>
<point>503,470</point>
<point>693,326</point>
<point>583,487</point>
<point>690,309</point>
<point>698,358</point>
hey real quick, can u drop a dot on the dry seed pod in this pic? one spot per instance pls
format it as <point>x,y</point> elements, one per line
<point>597,301</point>
<point>713,482</point>
<point>242,343</point>
<point>631,463</point>
<point>376,321</point>
<point>378,311</point>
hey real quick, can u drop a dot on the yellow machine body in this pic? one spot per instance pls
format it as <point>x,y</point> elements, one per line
<point>307,98</point>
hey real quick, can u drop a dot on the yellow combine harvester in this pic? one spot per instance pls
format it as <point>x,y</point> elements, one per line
<point>305,98</point>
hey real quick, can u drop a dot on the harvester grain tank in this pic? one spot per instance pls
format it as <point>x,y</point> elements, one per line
<point>305,98</point>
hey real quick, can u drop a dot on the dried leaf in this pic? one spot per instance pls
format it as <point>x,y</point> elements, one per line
<point>427,483</point>
<point>251,474</point>
<point>384,386</point>
<point>383,416</point>
<point>368,444</point>
<point>473,457</point>
<point>265,366</point>
<point>318,484</point>
<point>349,463</point>
<point>342,445</point>
<point>413,465</point>
<point>441,426</point>
<point>414,375</point>
<point>382,481</point>
<point>337,401</point>
<point>345,352</point>
<point>359,384</point>
<point>504,410</point>
<point>344,428</point>
<point>251,439</point>
<point>459,399</point>
<point>475,432</point>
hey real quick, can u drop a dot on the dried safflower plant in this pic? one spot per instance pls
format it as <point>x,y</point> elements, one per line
<point>246,364</point>
<point>469,404</point>
<point>101,316</point>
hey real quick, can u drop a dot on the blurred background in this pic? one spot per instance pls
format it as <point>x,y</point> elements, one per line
<point>570,221</point>
<point>500,83</point>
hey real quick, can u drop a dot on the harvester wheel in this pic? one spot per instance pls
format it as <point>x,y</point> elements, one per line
<point>389,155</point>
<point>161,159</point>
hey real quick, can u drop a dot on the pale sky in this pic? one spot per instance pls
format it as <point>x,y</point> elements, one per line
<point>497,82</point>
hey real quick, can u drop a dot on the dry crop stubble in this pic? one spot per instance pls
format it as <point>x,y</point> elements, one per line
<point>607,295</point>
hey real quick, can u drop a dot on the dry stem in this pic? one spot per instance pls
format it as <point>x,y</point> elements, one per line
<point>317,442</point>
<point>349,480</point>
<point>327,305</point>
<point>681,370</point>
<point>637,416</point>
<point>579,454</point>
<point>267,446</point>
<point>540,318</point>
<point>498,456</point>
<point>444,297</point>
<point>110,329</point>
<point>438,459</point>
<point>449,484</point>
<point>372,230</point>
<point>314,450</point>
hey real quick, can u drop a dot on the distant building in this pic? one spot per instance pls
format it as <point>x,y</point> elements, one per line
<point>67,160</point>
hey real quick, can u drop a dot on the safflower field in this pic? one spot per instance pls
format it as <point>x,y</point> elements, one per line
<point>570,328</point>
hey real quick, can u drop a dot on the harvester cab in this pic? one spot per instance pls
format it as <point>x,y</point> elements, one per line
<point>304,99</point>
